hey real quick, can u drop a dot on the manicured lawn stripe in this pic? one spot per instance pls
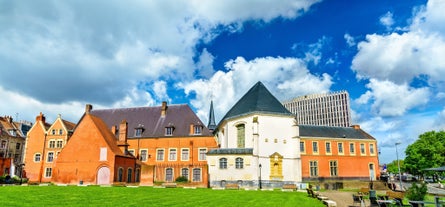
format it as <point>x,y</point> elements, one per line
<point>147,196</point>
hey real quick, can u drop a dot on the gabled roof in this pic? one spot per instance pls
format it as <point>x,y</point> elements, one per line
<point>180,117</point>
<point>69,125</point>
<point>257,100</point>
<point>109,138</point>
<point>333,132</point>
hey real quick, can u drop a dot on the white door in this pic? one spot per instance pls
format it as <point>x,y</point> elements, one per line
<point>103,176</point>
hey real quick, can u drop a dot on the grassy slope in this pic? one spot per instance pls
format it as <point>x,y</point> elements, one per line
<point>147,196</point>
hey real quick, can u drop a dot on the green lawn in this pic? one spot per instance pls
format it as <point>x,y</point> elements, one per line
<point>147,196</point>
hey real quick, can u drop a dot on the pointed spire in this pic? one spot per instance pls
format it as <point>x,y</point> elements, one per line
<point>212,124</point>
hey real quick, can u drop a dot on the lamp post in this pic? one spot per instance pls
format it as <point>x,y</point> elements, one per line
<point>398,165</point>
<point>259,177</point>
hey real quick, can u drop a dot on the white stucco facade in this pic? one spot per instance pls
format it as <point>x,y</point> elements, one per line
<point>273,142</point>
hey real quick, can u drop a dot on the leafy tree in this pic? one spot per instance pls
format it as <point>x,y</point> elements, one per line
<point>426,152</point>
<point>416,192</point>
<point>392,167</point>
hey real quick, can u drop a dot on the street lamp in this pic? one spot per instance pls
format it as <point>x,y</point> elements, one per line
<point>259,177</point>
<point>398,165</point>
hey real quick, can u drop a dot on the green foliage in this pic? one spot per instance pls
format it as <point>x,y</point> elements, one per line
<point>24,196</point>
<point>428,151</point>
<point>392,167</point>
<point>181,179</point>
<point>416,192</point>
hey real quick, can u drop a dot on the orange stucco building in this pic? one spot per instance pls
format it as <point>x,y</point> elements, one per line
<point>44,142</point>
<point>337,153</point>
<point>169,141</point>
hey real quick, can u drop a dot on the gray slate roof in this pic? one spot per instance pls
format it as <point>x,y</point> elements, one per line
<point>333,132</point>
<point>179,116</point>
<point>231,151</point>
<point>257,100</point>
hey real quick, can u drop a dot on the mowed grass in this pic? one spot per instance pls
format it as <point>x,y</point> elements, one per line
<point>147,196</point>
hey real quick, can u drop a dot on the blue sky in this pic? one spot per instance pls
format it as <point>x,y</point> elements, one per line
<point>57,56</point>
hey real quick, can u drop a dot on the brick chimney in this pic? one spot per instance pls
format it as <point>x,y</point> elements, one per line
<point>356,126</point>
<point>122,141</point>
<point>164,108</point>
<point>88,108</point>
<point>40,117</point>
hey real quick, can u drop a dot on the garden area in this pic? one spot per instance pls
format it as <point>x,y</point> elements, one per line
<point>147,196</point>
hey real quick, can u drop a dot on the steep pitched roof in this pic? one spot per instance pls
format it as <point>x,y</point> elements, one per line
<point>212,124</point>
<point>333,132</point>
<point>109,138</point>
<point>257,100</point>
<point>150,119</point>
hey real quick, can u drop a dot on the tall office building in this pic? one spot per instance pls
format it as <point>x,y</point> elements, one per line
<point>329,109</point>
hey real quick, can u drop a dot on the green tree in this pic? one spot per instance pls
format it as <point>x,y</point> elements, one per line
<point>427,151</point>
<point>392,167</point>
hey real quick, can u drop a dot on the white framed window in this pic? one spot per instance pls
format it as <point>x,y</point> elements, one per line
<point>185,154</point>
<point>48,172</point>
<point>328,148</point>
<point>138,132</point>
<point>59,144</point>
<point>53,132</point>
<point>313,165</point>
<point>103,154</point>
<point>302,147</point>
<point>160,154</point>
<point>185,173</point>
<point>333,166</point>
<point>202,154</point>
<point>315,147</point>
<point>196,174</point>
<point>168,131</point>
<point>340,148</point>
<point>144,155</point>
<point>50,157</point>
<point>172,154</point>
<point>60,131</point>
<point>52,144</point>
<point>371,149</point>
<point>362,149</point>
<point>223,163</point>
<point>37,157</point>
<point>197,129</point>
<point>239,163</point>
<point>351,148</point>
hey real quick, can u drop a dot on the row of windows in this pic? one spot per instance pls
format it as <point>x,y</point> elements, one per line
<point>3,145</point>
<point>120,175</point>
<point>197,130</point>
<point>54,131</point>
<point>49,158</point>
<point>196,176</point>
<point>333,168</point>
<point>340,148</point>
<point>172,154</point>
<point>55,144</point>
<point>239,163</point>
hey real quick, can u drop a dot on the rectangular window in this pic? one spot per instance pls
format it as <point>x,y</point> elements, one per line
<point>340,148</point>
<point>168,131</point>
<point>59,143</point>
<point>50,157</point>
<point>3,145</point>
<point>17,146</point>
<point>169,175</point>
<point>48,172</point>
<point>185,173</point>
<point>197,129</point>
<point>138,132</point>
<point>185,154</point>
<point>143,157</point>
<point>160,154</point>
<point>314,168</point>
<point>172,155</point>
<point>362,149</point>
<point>202,154</point>
<point>60,131</point>
<point>314,147</point>
<point>241,137</point>
<point>302,150</point>
<point>351,148</point>
<point>52,144</point>
<point>333,168</point>
<point>328,147</point>
<point>37,157</point>
<point>196,175</point>
<point>53,132</point>
<point>371,149</point>
<point>103,154</point>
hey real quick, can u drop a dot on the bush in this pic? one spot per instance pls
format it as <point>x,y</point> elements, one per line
<point>416,192</point>
<point>181,179</point>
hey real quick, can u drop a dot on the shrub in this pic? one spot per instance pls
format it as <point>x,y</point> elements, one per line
<point>181,179</point>
<point>416,192</point>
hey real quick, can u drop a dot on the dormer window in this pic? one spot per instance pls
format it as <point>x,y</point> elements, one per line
<point>197,129</point>
<point>12,132</point>
<point>138,131</point>
<point>169,131</point>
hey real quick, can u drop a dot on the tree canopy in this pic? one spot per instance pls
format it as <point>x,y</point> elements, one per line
<point>426,152</point>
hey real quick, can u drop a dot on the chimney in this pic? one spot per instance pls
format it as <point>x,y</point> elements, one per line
<point>191,129</point>
<point>40,117</point>
<point>164,108</point>
<point>123,129</point>
<point>88,108</point>
<point>356,126</point>
<point>114,129</point>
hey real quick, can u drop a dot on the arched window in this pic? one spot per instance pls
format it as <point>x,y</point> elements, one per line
<point>137,175</point>
<point>120,174</point>
<point>196,175</point>
<point>223,163</point>
<point>129,175</point>
<point>239,163</point>
<point>185,173</point>
<point>241,136</point>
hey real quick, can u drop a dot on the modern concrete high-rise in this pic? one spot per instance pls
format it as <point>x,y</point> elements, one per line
<point>327,109</point>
